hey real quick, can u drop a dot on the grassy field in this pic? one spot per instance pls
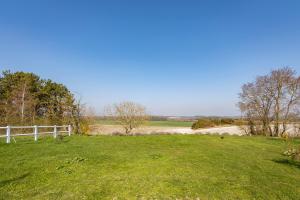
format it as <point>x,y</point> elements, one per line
<point>143,167</point>
<point>152,123</point>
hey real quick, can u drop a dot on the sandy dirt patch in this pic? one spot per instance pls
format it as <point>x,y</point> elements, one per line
<point>111,129</point>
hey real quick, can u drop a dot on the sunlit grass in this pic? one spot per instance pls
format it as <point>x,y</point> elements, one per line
<point>157,167</point>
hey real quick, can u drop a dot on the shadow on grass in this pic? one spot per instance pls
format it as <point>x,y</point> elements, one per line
<point>61,141</point>
<point>12,180</point>
<point>287,162</point>
<point>275,138</point>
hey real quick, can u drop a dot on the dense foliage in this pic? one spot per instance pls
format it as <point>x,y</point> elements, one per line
<point>26,99</point>
<point>211,122</point>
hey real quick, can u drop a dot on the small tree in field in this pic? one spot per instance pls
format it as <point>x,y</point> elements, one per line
<point>129,115</point>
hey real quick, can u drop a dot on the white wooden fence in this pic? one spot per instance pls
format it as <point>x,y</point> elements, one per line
<point>35,133</point>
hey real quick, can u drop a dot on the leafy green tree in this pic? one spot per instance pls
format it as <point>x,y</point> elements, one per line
<point>26,99</point>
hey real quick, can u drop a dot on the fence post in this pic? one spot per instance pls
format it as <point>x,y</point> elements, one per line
<point>35,133</point>
<point>70,129</point>
<point>8,134</point>
<point>55,131</point>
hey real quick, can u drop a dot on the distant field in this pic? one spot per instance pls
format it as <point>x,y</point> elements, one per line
<point>152,123</point>
<point>148,167</point>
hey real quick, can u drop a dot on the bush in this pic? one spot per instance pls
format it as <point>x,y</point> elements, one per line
<point>240,122</point>
<point>292,151</point>
<point>203,123</point>
<point>227,121</point>
<point>294,154</point>
<point>211,122</point>
<point>84,126</point>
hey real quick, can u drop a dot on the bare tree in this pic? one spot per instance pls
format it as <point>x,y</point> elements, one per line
<point>283,82</point>
<point>255,103</point>
<point>129,115</point>
<point>270,102</point>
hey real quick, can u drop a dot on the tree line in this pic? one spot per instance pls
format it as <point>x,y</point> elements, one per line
<point>27,99</point>
<point>271,102</point>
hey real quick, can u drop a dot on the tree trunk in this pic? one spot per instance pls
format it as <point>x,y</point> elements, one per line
<point>23,104</point>
<point>277,115</point>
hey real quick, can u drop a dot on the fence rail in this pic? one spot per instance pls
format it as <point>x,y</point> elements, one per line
<point>35,133</point>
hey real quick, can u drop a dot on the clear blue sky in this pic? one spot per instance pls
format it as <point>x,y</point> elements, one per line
<point>175,57</point>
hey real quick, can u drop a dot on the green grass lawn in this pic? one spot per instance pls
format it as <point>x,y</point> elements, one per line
<point>152,123</point>
<point>148,167</point>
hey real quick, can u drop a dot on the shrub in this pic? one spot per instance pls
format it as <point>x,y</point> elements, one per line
<point>292,151</point>
<point>84,126</point>
<point>203,123</point>
<point>294,154</point>
<point>240,122</point>
<point>211,122</point>
<point>227,121</point>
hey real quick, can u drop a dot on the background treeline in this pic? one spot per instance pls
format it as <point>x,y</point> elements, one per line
<point>155,118</point>
<point>26,99</point>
